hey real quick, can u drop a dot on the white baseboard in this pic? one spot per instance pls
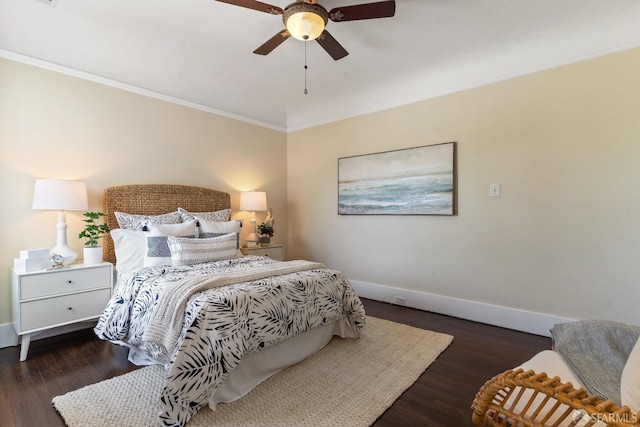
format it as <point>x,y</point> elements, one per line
<point>511,318</point>
<point>9,338</point>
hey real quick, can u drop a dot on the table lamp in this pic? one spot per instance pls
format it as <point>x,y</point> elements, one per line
<point>253,201</point>
<point>61,195</point>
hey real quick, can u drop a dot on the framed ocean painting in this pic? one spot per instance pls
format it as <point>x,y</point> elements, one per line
<point>411,181</point>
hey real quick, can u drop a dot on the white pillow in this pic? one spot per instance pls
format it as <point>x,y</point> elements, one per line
<point>630,380</point>
<point>137,222</point>
<point>158,252</point>
<point>194,251</point>
<point>208,229</point>
<point>130,247</point>
<point>222,215</point>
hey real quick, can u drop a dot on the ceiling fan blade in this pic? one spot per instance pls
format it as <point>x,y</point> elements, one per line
<point>381,9</point>
<point>255,5</point>
<point>331,45</point>
<point>272,43</point>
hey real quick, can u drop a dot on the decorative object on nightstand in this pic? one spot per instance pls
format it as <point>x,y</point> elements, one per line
<point>31,260</point>
<point>270,220</point>
<point>272,251</point>
<point>266,228</point>
<point>92,252</point>
<point>253,201</point>
<point>47,299</point>
<point>56,261</point>
<point>60,195</point>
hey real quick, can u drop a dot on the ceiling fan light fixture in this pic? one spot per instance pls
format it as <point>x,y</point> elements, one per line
<point>305,21</point>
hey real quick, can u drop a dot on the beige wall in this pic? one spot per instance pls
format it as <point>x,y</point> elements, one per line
<point>57,126</point>
<point>564,238</point>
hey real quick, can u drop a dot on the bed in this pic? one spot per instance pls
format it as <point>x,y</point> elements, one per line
<point>219,322</point>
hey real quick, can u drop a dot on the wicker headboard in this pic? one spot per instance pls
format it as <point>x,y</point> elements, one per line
<point>157,199</point>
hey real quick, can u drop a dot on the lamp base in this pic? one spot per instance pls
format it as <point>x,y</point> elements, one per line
<point>252,240</point>
<point>61,242</point>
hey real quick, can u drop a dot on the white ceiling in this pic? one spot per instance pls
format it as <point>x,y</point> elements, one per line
<point>199,52</point>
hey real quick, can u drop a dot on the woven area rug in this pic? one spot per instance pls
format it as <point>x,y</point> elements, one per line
<point>347,383</point>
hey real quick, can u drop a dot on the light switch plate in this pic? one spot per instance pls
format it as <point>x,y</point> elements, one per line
<point>494,190</point>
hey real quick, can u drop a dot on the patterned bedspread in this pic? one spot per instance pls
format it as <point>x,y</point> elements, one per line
<point>224,324</point>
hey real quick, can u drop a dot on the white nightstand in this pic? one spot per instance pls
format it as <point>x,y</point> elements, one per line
<point>46,299</point>
<point>272,251</point>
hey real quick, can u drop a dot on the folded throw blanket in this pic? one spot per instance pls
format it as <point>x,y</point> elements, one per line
<point>596,350</point>
<point>166,322</point>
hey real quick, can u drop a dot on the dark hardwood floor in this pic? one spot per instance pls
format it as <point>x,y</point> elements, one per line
<point>440,398</point>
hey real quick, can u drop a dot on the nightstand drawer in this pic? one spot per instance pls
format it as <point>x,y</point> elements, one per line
<point>272,251</point>
<point>65,309</point>
<point>64,281</point>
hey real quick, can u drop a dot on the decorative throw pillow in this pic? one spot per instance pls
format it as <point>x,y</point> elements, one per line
<point>630,380</point>
<point>208,229</point>
<point>194,251</point>
<point>217,216</point>
<point>130,247</point>
<point>137,222</point>
<point>158,252</point>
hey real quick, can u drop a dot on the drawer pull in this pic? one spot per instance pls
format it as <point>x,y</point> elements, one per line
<point>70,308</point>
<point>69,282</point>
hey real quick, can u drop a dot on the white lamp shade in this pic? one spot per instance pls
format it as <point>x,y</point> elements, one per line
<point>59,194</point>
<point>253,201</point>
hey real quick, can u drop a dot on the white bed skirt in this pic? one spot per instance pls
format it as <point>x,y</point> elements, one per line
<point>258,366</point>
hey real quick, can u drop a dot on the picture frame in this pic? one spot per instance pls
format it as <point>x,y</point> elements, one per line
<point>411,181</point>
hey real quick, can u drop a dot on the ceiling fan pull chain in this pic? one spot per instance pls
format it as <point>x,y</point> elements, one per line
<point>305,68</point>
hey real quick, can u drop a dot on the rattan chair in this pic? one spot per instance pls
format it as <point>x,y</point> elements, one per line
<point>518,398</point>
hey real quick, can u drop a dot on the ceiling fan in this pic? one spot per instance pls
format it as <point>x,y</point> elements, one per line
<point>305,20</point>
